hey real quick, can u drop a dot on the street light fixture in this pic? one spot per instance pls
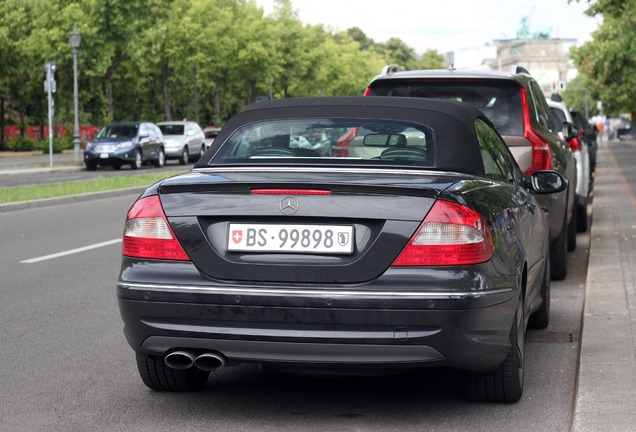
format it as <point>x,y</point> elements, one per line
<point>75,38</point>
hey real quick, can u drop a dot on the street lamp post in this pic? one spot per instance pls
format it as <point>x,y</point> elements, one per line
<point>75,38</point>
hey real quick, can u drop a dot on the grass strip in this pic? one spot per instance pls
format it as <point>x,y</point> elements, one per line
<point>51,190</point>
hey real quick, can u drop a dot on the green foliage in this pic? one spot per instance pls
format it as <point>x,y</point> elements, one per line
<point>21,144</point>
<point>574,97</point>
<point>607,64</point>
<point>59,145</point>
<point>137,57</point>
<point>431,59</point>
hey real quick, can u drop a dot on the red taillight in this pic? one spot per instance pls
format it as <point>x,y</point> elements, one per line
<point>147,233</point>
<point>367,92</point>
<point>451,234</point>
<point>541,157</point>
<point>575,144</point>
<point>290,192</point>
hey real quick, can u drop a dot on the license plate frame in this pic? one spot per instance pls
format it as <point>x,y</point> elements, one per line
<point>291,238</point>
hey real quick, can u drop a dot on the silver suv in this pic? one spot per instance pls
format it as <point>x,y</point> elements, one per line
<point>518,109</point>
<point>563,119</point>
<point>183,140</point>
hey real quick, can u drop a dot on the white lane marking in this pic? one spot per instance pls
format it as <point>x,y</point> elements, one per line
<point>70,252</point>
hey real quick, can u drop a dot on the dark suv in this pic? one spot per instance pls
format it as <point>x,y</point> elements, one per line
<point>133,144</point>
<point>517,107</point>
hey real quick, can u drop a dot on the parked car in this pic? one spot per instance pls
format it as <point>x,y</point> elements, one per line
<point>518,109</point>
<point>589,134</point>
<point>133,143</point>
<point>430,250</point>
<point>624,130</point>
<point>210,135</point>
<point>564,122</point>
<point>183,140</point>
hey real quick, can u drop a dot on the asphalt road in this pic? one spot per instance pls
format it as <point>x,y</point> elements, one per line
<point>13,173</point>
<point>65,365</point>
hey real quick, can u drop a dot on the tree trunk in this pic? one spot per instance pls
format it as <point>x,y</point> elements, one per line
<point>1,122</point>
<point>110,71</point>
<point>109,91</point>
<point>217,101</point>
<point>218,81</point>
<point>166,93</point>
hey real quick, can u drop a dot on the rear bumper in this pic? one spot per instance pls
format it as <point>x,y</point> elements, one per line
<point>370,326</point>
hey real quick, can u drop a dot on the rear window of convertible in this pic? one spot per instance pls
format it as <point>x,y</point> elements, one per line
<point>330,142</point>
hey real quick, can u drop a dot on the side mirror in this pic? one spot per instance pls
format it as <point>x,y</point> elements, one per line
<point>545,182</point>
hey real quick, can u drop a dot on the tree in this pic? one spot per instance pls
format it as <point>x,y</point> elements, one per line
<point>607,64</point>
<point>431,59</point>
<point>398,53</point>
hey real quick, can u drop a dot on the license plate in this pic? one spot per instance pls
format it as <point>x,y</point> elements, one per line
<point>104,155</point>
<point>323,239</point>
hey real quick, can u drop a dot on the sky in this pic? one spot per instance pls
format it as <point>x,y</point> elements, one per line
<point>447,25</point>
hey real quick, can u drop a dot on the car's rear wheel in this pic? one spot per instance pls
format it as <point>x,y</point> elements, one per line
<point>572,231</point>
<point>504,384</point>
<point>541,317</point>
<point>185,156</point>
<point>201,151</point>
<point>559,255</point>
<point>158,376</point>
<point>138,160</point>
<point>581,217</point>
<point>161,158</point>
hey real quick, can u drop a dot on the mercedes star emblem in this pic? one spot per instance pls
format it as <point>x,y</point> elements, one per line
<point>289,205</point>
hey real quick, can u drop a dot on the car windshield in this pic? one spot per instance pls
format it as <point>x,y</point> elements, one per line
<point>171,129</point>
<point>330,142</point>
<point>499,100</point>
<point>117,131</point>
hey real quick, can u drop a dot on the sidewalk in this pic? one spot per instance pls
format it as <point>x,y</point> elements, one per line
<point>606,390</point>
<point>36,161</point>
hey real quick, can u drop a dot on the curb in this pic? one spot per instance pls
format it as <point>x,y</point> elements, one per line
<point>14,171</point>
<point>23,205</point>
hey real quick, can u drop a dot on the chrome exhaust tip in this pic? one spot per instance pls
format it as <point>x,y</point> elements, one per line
<point>179,360</point>
<point>209,362</point>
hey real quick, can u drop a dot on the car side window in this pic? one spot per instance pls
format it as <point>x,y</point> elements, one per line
<point>543,111</point>
<point>498,162</point>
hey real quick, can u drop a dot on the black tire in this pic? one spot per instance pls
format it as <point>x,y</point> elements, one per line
<point>572,231</point>
<point>157,376</point>
<point>161,158</point>
<point>581,217</point>
<point>201,151</point>
<point>559,255</point>
<point>138,160</point>
<point>505,383</point>
<point>541,317</point>
<point>185,156</point>
<point>90,166</point>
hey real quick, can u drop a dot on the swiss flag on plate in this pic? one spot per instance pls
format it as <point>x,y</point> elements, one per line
<point>237,236</point>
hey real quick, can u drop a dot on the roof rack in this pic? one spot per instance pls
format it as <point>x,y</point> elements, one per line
<point>518,69</point>
<point>389,69</point>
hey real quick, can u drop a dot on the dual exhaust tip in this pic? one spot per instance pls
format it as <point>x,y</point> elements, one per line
<point>208,362</point>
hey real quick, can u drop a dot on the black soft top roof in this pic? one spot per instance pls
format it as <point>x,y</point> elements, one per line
<point>453,122</point>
